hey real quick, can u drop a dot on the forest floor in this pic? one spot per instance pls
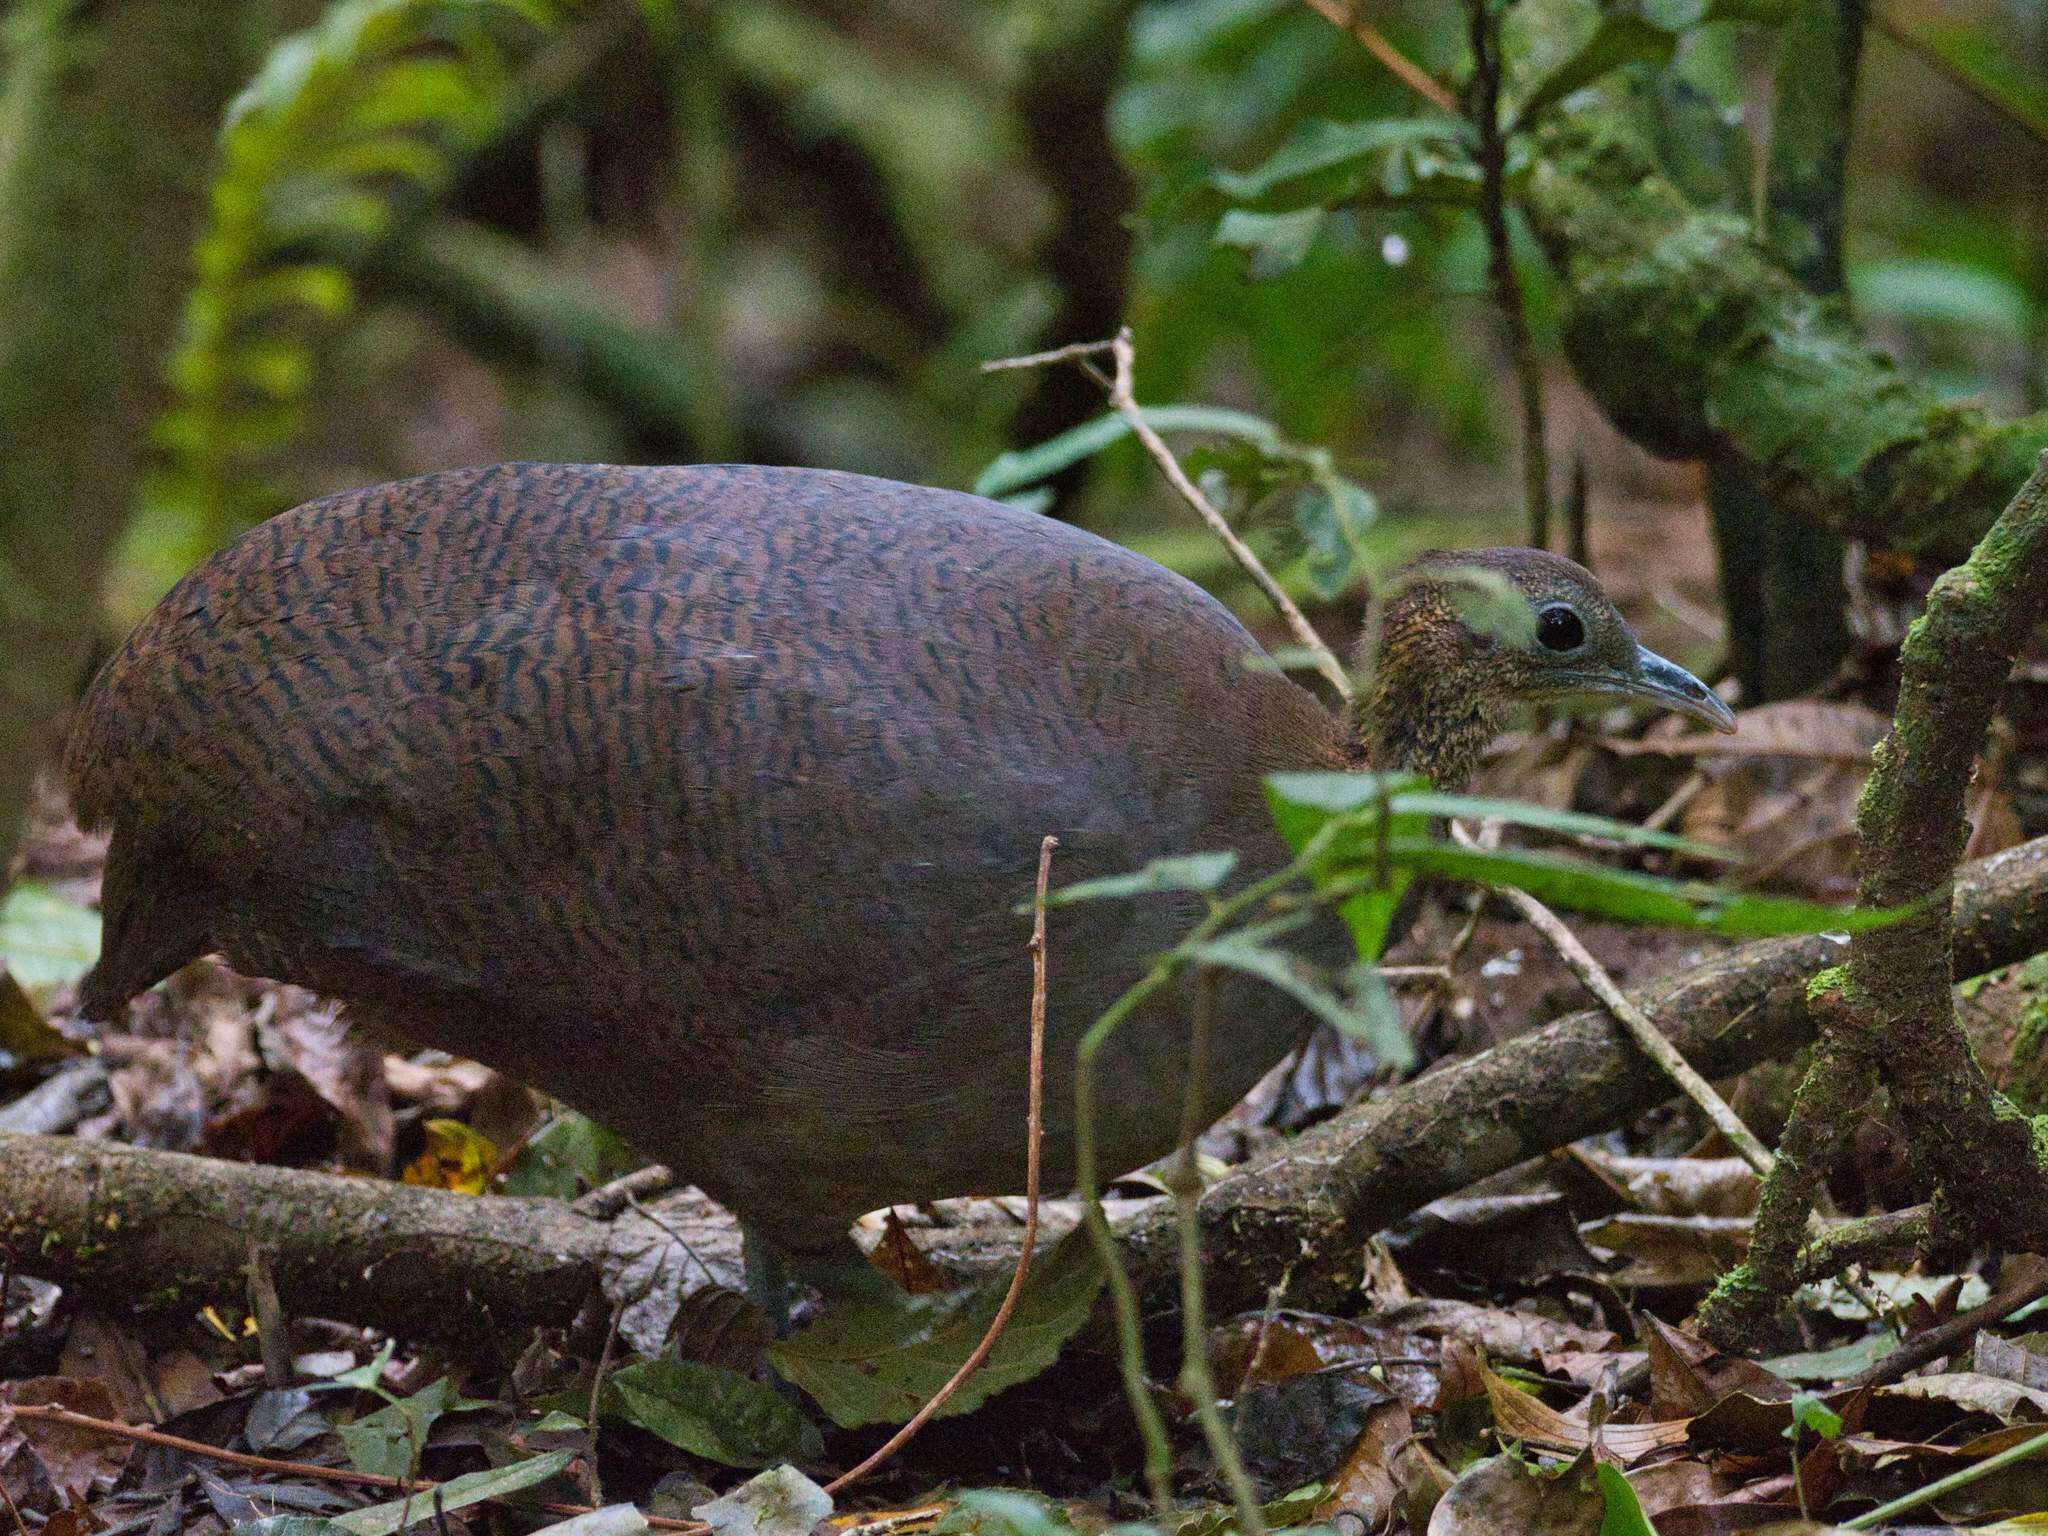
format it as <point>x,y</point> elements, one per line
<point>1536,1319</point>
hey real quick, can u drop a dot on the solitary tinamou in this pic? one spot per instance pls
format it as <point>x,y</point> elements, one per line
<point>707,799</point>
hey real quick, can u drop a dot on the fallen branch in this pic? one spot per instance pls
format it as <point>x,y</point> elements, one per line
<point>123,1226</point>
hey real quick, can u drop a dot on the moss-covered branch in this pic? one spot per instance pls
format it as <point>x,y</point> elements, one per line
<point>1887,1015</point>
<point>1698,343</point>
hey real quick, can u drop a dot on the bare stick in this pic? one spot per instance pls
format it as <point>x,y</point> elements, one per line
<point>1648,1038</point>
<point>1398,64</point>
<point>1126,406</point>
<point>1124,402</point>
<point>52,1413</point>
<point>1034,1133</point>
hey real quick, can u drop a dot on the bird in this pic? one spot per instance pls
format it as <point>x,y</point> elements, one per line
<point>707,800</point>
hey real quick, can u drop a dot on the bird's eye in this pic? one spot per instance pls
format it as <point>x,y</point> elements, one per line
<point>1559,628</point>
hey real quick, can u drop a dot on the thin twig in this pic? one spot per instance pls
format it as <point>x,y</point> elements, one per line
<point>52,1413</point>
<point>604,1365</point>
<point>1492,155</point>
<point>1034,1133</point>
<point>1398,64</point>
<point>608,1200</point>
<point>1196,1379</point>
<point>1123,400</point>
<point>1648,1038</point>
<point>1944,1337</point>
<point>20,1528</point>
<point>1934,1490</point>
<point>1124,403</point>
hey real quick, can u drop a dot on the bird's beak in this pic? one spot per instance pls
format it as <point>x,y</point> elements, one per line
<point>1665,683</point>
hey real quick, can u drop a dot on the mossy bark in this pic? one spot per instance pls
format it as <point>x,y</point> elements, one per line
<point>1888,1016</point>
<point>1698,342</point>
<point>1781,578</point>
<point>1913,826</point>
<point>107,119</point>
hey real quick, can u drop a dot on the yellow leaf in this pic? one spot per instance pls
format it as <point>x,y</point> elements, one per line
<point>457,1158</point>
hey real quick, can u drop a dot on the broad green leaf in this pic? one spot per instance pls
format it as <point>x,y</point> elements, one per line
<point>1624,36</point>
<point>1026,466</point>
<point>389,1441</point>
<point>1184,872</point>
<point>1624,1514</point>
<point>1332,518</point>
<point>1943,293</point>
<point>457,1493</point>
<point>612,1520</point>
<point>1003,1512</point>
<point>1275,242</point>
<point>710,1412</point>
<point>570,1154</point>
<point>46,940</point>
<point>1633,897</point>
<point>1366,1012</point>
<point>1542,819</point>
<point>880,1361</point>
<point>1325,162</point>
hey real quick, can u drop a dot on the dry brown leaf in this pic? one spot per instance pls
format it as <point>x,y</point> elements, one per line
<point>1668,1251</point>
<point>1688,1375</point>
<point>904,1262</point>
<point>1501,1495</point>
<point>1681,1186</point>
<point>1363,1486</point>
<point>2024,1360</point>
<point>38,1457</point>
<point>1517,1415</point>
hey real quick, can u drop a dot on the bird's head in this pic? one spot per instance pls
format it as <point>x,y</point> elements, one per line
<point>1466,638</point>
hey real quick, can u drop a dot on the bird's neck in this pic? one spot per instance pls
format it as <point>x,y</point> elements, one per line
<point>1424,707</point>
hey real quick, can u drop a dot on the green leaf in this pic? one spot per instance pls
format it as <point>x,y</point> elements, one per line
<point>46,940</point>
<point>880,1361</point>
<point>1811,1412</point>
<point>1944,293</point>
<point>1633,897</point>
<point>710,1412</point>
<point>1026,466</point>
<point>1624,1513</point>
<point>1332,518</point>
<point>778,1502</point>
<point>1276,242</point>
<point>1324,162</point>
<point>1182,872</point>
<point>1542,819</point>
<point>457,1493</point>
<point>389,1441</point>
<point>1366,1012</point>
<point>1003,1512</point>
<point>612,1520</point>
<point>1624,36</point>
<point>572,1153</point>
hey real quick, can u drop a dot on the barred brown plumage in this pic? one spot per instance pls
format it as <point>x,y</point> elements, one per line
<point>706,798</point>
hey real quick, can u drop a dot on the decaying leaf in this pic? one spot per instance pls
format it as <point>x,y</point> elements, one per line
<point>779,1502</point>
<point>1502,1494</point>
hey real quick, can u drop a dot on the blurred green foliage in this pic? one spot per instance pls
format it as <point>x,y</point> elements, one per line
<point>822,217</point>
